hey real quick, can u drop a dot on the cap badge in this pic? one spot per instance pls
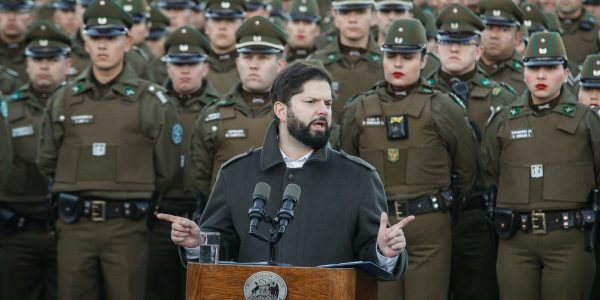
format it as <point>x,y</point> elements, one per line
<point>598,62</point>
<point>454,25</point>
<point>543,40</point>
<point>102,2</point>
<point>528,8</point>
<point>496,12</point>
<point>183,30</point>
<point>127,7</point>
<point>543,50</point>
<point>302,8</point>
<point>455,10</point>
<point>184,47</point>
<point>596,72</point>
<point>303,1</point>
<point>527,23</point>
<point>400,29</point>
<point>257,22</point>
<point>398,40</point>
<point>225,4</point>
<point>43,27</point>
<point>43,43</point>
<point>257,38</point>
<point>102,21</point>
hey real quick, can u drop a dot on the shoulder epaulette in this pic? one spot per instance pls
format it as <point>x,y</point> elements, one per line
<point>11,72</point>
<point>357,160</point>
<point>517,64</point>
<point>237,157</point>
<point>508,87</point>
<point>159,92</point>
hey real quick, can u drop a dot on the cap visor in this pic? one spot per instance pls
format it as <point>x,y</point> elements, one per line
<point>224,14</point>
<point>392,48</point>
<point>592,83</point>
<point>545,61</point>
<point>183,58</point>
<point>488,21</point>
<point>304,17</point>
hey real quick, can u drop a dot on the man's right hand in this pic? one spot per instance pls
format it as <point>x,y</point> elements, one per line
<point>184,232</point>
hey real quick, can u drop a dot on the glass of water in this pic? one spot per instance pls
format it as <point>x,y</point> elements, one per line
<point>209,249</point>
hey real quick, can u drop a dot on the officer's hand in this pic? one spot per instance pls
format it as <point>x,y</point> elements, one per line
<point>184,232</point>
<point>391,240</point>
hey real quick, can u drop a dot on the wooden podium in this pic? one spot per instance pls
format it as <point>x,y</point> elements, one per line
<point>224,281</point>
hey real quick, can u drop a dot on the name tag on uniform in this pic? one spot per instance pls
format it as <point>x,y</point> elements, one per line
<point>99,149</point>
<point>82,119</point>
<point>235,134</point>
<point>537,171</point>
<point>521,134</point>
<point>22,131</point>
<point>161,97</point>
<point>372,121</point>
<point>212,117</point>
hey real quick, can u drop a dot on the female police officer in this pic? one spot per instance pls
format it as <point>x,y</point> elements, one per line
<point>414,137</point>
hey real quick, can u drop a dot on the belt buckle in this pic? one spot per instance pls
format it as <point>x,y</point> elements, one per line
<point>98,211</point>
<point>538,222</point>
<point>399,210</point>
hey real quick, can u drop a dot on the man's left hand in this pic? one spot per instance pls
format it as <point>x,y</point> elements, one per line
<point>391,241</point>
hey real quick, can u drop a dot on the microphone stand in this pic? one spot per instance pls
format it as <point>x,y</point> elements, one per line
<point>276,232</point>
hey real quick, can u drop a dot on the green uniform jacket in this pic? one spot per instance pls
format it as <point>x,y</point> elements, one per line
<point>580,37</point>
<point>136,170</point>
<point>189,108</point>
<point>350,78</point>
<point>439,140</point>
<point>12,56</point>
<point>223,72</point>
<point>509,72</point>
<point>336,219</point>
<point>26,184</point>
<point>224,130</point>
<point>543,160</point>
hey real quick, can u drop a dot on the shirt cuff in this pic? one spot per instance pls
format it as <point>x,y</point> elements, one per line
<point>389,263</point>
<point>192,253</point>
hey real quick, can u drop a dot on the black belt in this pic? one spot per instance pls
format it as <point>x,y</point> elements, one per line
<point>540,222</point>
<point>24,223</point>
<point>477,202</point>
<point>426,204</point>
<point>102,210</point>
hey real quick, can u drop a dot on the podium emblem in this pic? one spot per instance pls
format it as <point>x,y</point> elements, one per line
<point>265,286</point>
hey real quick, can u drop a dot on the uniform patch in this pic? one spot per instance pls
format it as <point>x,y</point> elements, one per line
<point>76,88</point>
<point>537,171</point>
<point>517,65</point>
<point>331,56</point>
<point>235,134</point>
<point>177,134</point>
<point>212,117</point>
<point>82,119</point>
<point>496,91</point>
<point>129,91</point>
<point>393,155</point>
<point>375,57</point>
<point>568,109</point>
<point>99,149</point>
<point>431,81</point>
<point>22,131</point>
<point>485,82</point>
<point>15,96</point>
<point>520,134</point>
<point>372,121</point>
<point>3,109</point>
<point>515,111</point>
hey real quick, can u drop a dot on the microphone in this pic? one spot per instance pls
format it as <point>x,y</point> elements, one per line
<point>260,197</point>
<point>291,196</point>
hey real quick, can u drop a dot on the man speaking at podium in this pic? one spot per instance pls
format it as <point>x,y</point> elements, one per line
<point>341,214</point>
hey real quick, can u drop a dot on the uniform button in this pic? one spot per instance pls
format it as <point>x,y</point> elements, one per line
<point>291,177</point>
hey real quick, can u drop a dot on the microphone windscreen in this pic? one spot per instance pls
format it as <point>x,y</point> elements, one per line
<point>262,190</point>
<point>292,191</point>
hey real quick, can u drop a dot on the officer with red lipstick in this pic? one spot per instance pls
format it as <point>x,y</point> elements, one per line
<point>415,137</point>
<point>459,49</point>
<point>303,29</point>
<point>543,153</point>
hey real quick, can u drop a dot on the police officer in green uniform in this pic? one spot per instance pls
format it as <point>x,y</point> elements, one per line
<point>428,21</point>
<point>186,53</point>
<point>15,16</point>
<point>473,250</point>
<point>415,137</point>
<point>277,13</point>
<point>140,13</point>
<point>542,153</point>
<point>110,140</point>
<point>580,31</point>
<point>256,8</point>
<point>589,94</point>
<point>500,38</point>
<point>65,16</point>
<point>178,11</point>
<point>386,11</point>
<point>354,52</point>
<point>223,18</point>
<point>27,246</point>
<point>238,123</point>
<point>155,41</point>
<point>303,29</point>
